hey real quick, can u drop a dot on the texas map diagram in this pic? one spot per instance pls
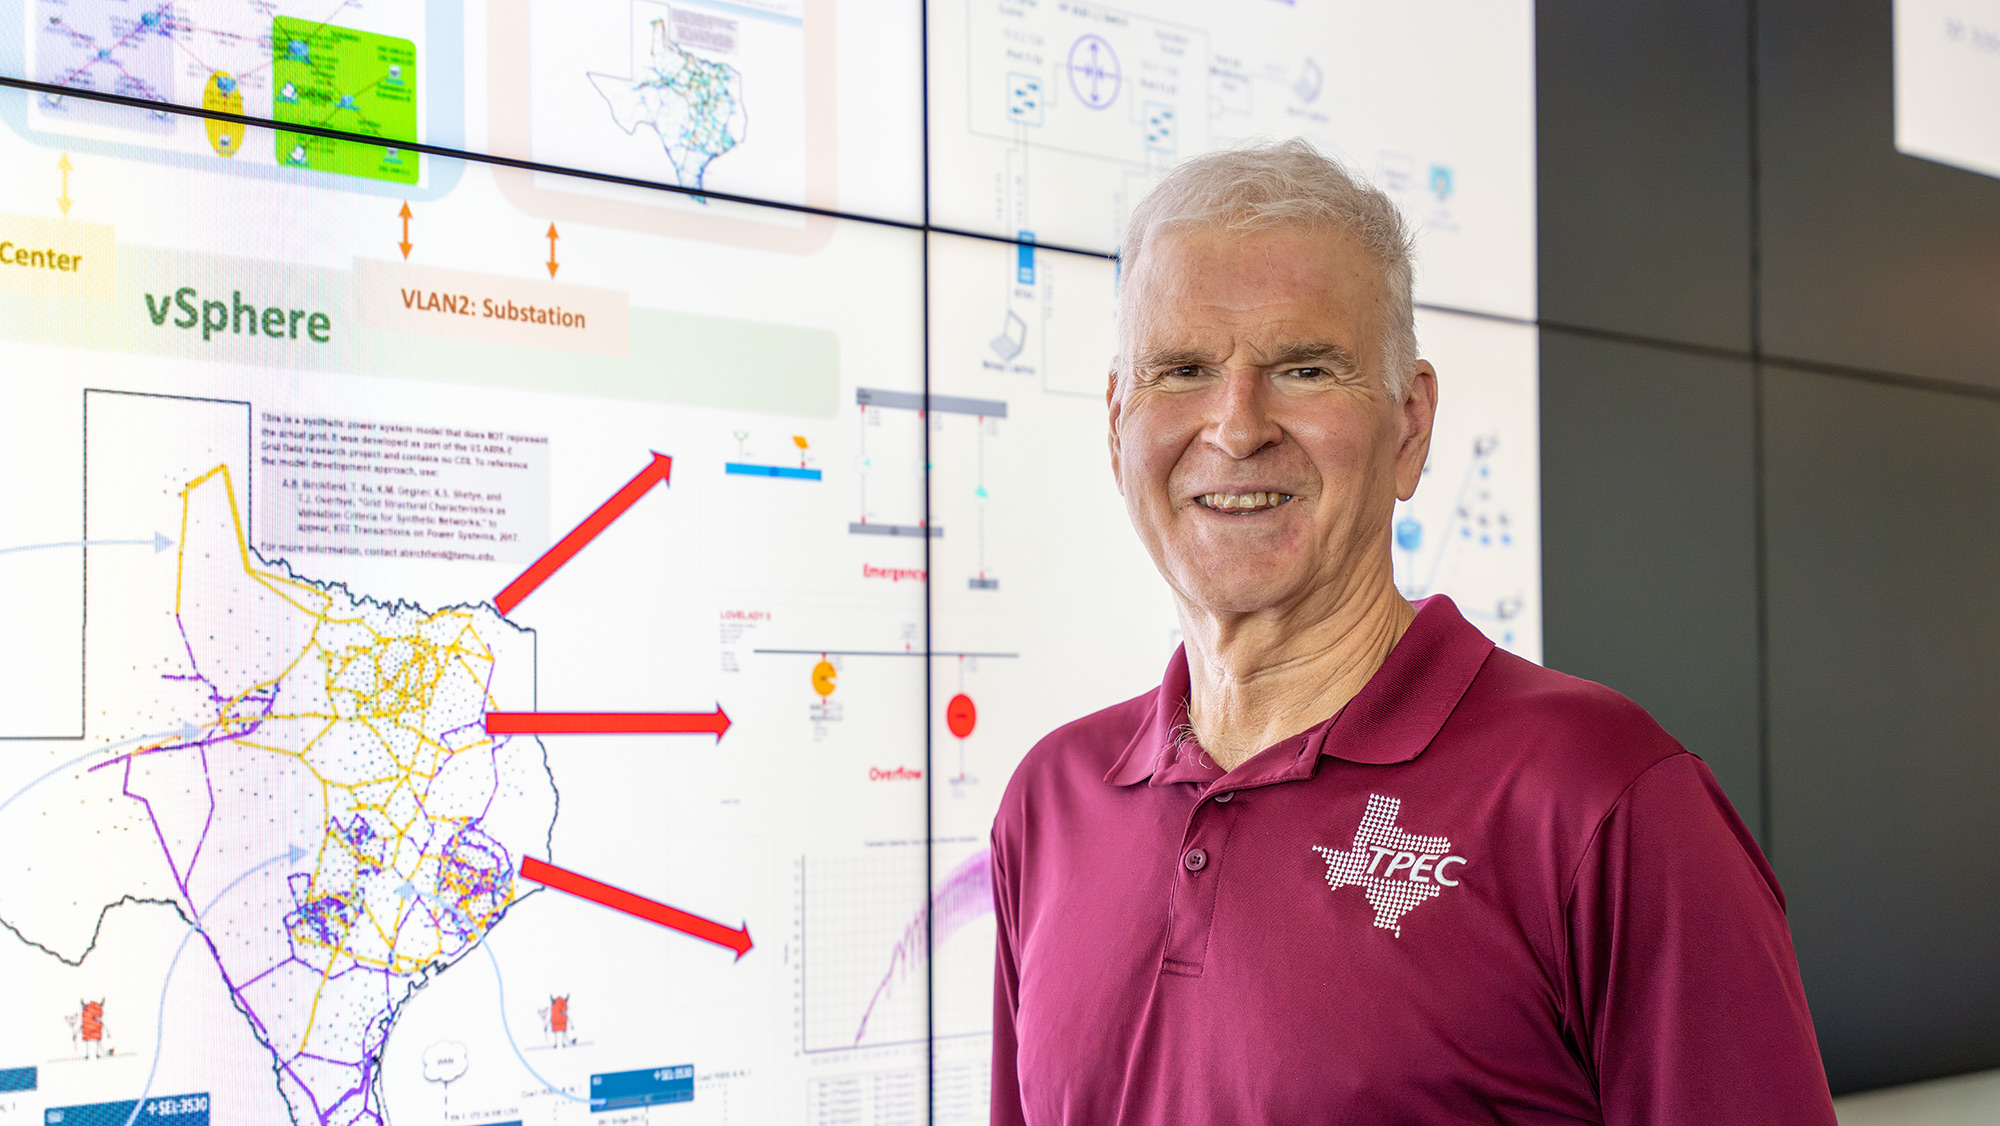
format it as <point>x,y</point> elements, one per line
<point>335,798</point>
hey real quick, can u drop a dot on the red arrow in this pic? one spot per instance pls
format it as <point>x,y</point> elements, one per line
<point>609,723</point>
<point>618,899</point>
<point>405,244</point>
<point>551,561</point>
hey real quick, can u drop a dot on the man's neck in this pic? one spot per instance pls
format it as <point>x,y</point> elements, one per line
<point>1255,679</point>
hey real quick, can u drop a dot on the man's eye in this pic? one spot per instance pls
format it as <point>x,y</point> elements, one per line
<point>1184,371</point>
<point>1309,373</point>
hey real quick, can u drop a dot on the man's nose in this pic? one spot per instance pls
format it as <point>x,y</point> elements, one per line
<point>1242,423</point>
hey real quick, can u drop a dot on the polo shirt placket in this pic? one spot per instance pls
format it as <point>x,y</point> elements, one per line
<point>1191,906</point>
<point>1213,810</point>
<point>1204,846</point>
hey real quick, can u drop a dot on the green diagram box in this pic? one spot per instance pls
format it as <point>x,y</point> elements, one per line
<point>354,81</point>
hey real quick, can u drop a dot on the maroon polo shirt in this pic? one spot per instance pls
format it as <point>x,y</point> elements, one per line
<point>1482,892</point>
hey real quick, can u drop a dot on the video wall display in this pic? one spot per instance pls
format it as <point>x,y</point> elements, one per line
<point>1948,82</point>
<point>494,643</point>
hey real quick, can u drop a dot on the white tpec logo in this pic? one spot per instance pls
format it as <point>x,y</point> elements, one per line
<point>1395,870</point>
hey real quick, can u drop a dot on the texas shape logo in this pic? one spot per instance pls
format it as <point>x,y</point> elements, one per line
<point>1394,869</point>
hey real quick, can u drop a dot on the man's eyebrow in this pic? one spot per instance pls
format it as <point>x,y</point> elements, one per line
<point>1173,356</point>
<point>1307,353</point>
<point>1314,353</point>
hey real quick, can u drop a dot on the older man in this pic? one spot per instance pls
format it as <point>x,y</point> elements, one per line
<point>1349,862</point>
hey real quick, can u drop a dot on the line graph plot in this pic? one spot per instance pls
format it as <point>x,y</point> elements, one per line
<point>855,927</point>
<point>964,895</point>
<point>867,933</point>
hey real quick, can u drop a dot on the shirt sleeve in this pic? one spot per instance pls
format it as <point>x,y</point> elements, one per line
<point>1006,1084</point>
<point>1684,993</point>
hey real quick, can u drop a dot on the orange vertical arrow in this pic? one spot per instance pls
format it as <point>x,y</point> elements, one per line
<point>405,244</point>
<point>552,249</point>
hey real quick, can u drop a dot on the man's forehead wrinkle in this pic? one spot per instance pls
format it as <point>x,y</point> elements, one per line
<point>1200,293</point>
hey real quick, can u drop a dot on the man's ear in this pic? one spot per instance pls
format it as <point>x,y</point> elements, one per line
<point>1416,414</point>
<point>1112,406</point>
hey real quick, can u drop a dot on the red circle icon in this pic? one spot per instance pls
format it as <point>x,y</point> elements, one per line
<point>960,715</point>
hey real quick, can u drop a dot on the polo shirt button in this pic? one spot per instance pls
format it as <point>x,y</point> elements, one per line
<point>1195,860</point>
<point>1223,798</point>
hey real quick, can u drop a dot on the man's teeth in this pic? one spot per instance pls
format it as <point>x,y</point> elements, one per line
<point>1243,500</point>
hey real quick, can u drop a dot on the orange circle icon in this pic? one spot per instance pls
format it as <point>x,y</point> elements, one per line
<point>823,678</point>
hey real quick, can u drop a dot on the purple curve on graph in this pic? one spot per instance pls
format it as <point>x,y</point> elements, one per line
<point>964,895</point>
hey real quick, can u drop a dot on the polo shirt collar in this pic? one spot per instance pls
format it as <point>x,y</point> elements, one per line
<point>1392,719</point>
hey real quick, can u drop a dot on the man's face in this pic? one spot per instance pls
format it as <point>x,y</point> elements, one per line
<point>1257,451</point>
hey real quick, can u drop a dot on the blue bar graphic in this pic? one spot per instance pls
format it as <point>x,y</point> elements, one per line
<point>173,1110</point>
<point>17,1078</point>
<point>748,470</point>
<point>1024,258</point>
<point>651,1086</point>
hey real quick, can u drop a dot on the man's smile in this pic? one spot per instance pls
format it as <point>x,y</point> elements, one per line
<point>1243,504</point>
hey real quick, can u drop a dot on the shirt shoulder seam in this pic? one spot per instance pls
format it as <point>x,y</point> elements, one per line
<point>1583,854</point>
<point>1569,885</point>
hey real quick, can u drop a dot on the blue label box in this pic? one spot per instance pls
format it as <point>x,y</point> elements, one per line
<point>652,1086</point>
<point>172,1110</point>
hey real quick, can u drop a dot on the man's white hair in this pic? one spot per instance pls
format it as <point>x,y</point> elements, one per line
<point>1284,185</point>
